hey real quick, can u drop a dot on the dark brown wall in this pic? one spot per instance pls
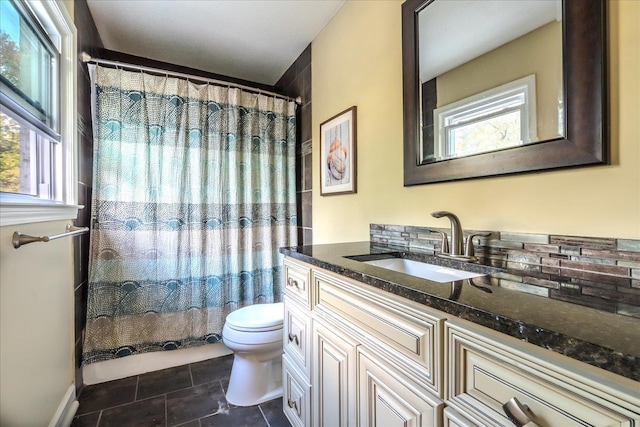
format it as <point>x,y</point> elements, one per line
<point>88,41</point>
<point>296,81</point>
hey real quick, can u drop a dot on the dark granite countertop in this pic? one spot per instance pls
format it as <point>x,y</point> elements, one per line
<point>605,340</point>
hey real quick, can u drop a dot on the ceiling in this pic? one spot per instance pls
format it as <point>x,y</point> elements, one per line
<point>254,40</point>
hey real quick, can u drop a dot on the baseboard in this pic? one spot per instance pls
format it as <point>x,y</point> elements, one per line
<point>66,410</point>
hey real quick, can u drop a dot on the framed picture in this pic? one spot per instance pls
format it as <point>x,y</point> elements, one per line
<point>338,154</point>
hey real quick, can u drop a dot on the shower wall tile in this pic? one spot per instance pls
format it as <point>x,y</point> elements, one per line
<point>299,174</point>
<point>78,366</point>
<point>296,81</point>
<point>88,41</point>
<point>306,123</point>
<point>306,182</point>
<point>80,300</point>
<point>601,273</point>
<point>306,209</point>
<point>85,155</point>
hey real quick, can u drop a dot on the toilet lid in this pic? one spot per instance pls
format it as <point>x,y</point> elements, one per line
<point>257,317</point>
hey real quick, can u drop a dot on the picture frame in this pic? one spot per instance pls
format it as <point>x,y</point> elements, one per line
<point>338,160</point>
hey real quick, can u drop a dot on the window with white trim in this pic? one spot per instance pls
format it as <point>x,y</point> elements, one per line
<point>498,118</point>
<point>37,112</point>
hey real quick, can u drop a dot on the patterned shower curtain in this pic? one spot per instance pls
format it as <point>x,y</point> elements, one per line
<point>193,194</point>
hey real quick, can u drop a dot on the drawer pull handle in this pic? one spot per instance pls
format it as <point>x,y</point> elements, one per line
<point>519,413</point>
<point>293,283</point>
<point>294,338</point>
<point>293,405</point>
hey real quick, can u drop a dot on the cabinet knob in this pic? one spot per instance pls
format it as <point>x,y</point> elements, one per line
<point>292,282</point>
<point>519,413</point>
<point>293,405</point>
<point>294,338</point>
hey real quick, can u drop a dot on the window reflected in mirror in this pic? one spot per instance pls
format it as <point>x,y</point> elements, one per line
<point>490,76</point>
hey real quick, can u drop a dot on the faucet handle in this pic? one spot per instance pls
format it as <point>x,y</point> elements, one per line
<point>469,250</point>
<point>445,242</point>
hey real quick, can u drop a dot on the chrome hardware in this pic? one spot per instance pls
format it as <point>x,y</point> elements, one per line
<point>20,239</point>
<point>294,338</point>
<point>456,231</point>
<point>292,283</point>
<point>519,413</point>
<point>444,245</point>
<point>293,405</point>
<point>457,239</point>
<point>469,249</point>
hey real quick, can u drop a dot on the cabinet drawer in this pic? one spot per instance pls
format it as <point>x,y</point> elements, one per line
<point>407,334</point>
<point>297,335</point>
<point>296,395</point>
<point>486,373</point>
<point>296,281</point>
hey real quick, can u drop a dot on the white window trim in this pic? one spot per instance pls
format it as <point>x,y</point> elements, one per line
<point>526,85</point>
<point>17,209</point>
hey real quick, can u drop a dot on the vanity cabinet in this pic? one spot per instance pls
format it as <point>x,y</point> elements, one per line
<point>356,355</point>
<point>486,369</point>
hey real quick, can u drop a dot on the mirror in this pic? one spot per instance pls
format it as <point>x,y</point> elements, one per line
<point>480,102</point>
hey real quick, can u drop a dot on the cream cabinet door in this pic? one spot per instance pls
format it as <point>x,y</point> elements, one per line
<point>387,398</point>
<point>334,376</point>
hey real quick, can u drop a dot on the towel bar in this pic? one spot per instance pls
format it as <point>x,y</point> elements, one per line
<point>20,239</point>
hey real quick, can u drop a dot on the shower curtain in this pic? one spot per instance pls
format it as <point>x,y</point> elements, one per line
<point>193,194</point>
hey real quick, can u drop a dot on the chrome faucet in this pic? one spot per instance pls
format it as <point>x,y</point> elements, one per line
<point>457,239</point>
<point>456,232</point>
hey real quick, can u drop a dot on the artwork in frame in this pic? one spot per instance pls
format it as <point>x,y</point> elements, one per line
<point>338,154</point>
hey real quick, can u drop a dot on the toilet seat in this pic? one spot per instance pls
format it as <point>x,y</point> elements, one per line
<point>257,318</point>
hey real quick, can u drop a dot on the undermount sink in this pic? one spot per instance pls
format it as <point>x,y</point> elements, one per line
<point>435,273</point>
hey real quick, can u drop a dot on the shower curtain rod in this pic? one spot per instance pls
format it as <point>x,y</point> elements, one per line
<point>87,58</point>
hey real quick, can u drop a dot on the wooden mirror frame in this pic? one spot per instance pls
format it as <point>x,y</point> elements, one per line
<point>585,101</point>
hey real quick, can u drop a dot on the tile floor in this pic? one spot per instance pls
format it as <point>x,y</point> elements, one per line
<point>190,396</point>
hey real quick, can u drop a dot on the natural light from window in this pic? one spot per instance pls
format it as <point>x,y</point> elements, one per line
<point>37,112</point>
<point>498,118</point>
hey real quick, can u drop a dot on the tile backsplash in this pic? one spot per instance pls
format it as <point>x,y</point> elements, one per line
<point>602,273</point>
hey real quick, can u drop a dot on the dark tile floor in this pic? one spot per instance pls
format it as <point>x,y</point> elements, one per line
<point>189,396</point>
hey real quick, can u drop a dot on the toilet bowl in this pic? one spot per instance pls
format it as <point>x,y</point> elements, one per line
<point>254,334</point>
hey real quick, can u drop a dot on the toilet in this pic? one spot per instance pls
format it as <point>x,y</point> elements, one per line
<point>254,334</point>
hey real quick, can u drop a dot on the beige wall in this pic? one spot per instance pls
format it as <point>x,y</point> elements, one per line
<point>538,52</point>
<point>36,325</point>
<point>357,61</point>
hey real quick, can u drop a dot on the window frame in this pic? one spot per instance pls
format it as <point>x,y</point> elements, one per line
<point>22,209</point>
<point>500,95</point>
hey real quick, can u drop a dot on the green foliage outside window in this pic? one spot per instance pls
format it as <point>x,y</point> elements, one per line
<point>9,128</point>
